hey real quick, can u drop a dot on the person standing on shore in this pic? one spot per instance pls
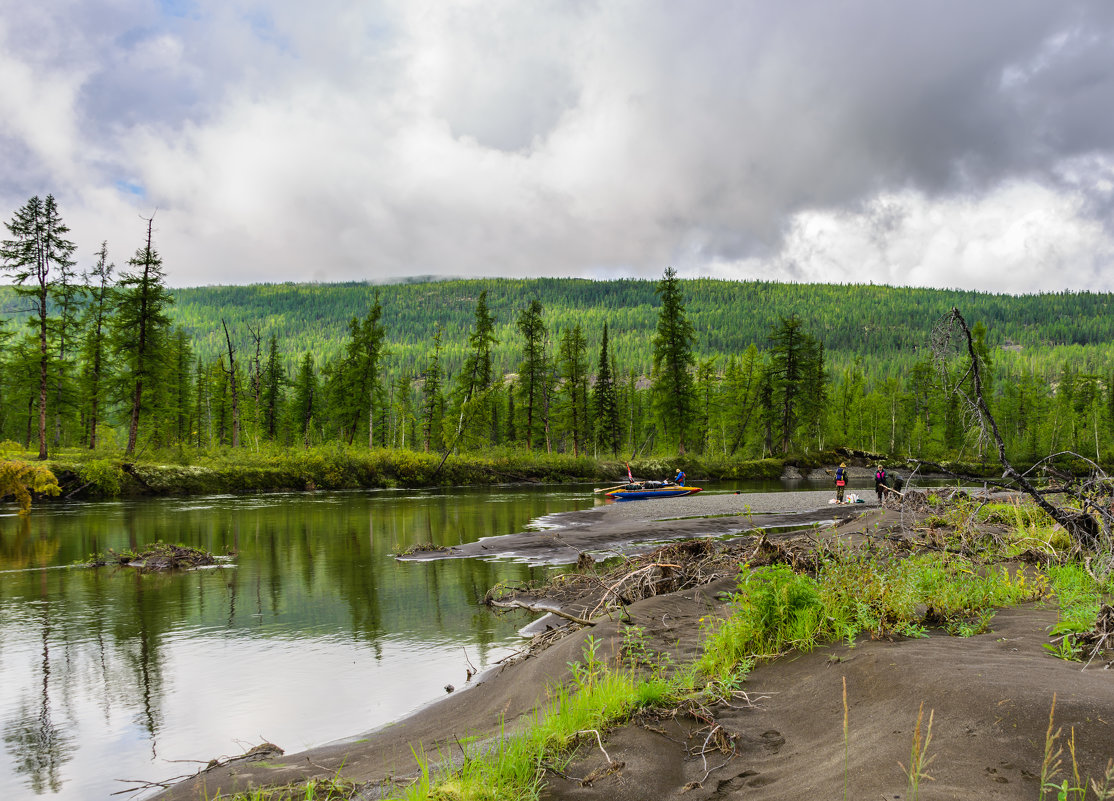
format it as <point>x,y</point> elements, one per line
<point>841,481</point>
<point>880,482</point>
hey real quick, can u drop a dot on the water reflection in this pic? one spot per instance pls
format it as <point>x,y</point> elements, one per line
<point>316,631</point>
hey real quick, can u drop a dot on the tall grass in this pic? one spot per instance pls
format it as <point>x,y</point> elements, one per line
<point>855,593</point>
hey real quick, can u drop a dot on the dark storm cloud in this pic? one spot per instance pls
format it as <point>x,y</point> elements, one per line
<point>887,141</point>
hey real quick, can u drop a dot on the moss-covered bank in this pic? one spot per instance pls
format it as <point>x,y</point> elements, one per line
<point>335,468</point>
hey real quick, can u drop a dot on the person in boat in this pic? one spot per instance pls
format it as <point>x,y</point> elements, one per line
<point>841,481</point>
<point>679,479</point>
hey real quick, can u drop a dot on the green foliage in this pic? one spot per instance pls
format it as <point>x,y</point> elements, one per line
<point>856,592</point>
<point>102,477</point>
<point>774,609</point>
<point>22,479</point>
<point>673,358</point>
<point>1079,599</point>
<point>758,384</point>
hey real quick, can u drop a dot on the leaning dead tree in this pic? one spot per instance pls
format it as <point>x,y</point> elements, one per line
<point>1086,516</point>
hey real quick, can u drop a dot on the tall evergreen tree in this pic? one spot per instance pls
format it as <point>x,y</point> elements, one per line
<point>742,380</point>
<point>358,383</point>
<point>433,398</point>
<point>305,400</point>
<point>100,294</point>
<point>674,344</point>
<point>574,385</point>
<point>532,370</point>
<point>605,401</point>
<point>38,246</point>
<point>794,358</point>
<point>141,324</point>
<point>707,394</point>
<point>65,298</point>
<point>476,377</point>
<point>273,381</point>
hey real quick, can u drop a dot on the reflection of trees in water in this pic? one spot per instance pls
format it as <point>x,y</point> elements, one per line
<point>39,747</point>
<point>20,549</point>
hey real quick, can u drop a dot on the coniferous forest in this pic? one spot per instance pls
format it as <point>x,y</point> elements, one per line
<point>106,358</point>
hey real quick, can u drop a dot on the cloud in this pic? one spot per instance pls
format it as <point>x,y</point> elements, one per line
<point>899,143</point>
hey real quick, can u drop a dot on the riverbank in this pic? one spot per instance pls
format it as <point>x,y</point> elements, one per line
<point>82,475</point>
<point>795,732</point>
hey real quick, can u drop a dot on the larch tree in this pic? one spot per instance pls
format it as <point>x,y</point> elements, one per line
<point>140,326</point>
<point>33,256</point>
<point>673,348</point>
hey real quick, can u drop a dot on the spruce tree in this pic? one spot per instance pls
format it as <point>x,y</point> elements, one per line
<point>796,364</point>
<point>357,384</point>
<point>100,294</point>
<point>673,343</point>
<point>273,381</point>
<point>476,378</point>
<point>140,327</point>
<point>532,370</point>
<point>605,402</point>
<point>574,385</point>
<point>305,401</point>
<point>433,399</point>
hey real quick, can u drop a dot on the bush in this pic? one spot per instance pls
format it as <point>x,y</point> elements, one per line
<point>101,477</point>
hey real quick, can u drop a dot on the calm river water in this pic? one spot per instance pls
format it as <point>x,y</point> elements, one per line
<point>313,632</point>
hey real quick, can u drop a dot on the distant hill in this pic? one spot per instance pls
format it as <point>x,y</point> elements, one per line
<point>886,327</point>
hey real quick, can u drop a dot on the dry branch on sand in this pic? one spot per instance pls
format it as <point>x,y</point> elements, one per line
<point>587,597</point>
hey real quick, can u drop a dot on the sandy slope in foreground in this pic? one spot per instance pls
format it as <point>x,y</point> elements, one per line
<point>990,696</point>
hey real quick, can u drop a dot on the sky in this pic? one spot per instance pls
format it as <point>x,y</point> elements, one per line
<point>945,144</point>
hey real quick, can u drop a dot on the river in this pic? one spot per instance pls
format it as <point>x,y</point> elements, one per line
<point>311,632</point>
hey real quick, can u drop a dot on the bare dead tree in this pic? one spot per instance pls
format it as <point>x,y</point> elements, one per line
<point>232,383</point>
<point>255,369</point>
<point>1088,523</point>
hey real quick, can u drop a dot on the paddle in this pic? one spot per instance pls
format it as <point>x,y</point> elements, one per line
<point>609,489</point>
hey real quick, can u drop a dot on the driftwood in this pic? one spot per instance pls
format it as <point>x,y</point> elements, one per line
<point>541,610</point>
<point>158,557</point>
<point>1089,531</point>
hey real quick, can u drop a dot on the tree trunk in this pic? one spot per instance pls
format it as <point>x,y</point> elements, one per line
<point>133,427</point>
<point>232,386</point>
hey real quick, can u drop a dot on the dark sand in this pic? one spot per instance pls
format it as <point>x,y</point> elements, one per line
<point>632,526</point>
<point>990,696</point>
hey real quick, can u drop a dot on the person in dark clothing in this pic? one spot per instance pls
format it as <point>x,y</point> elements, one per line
<point>841,481</point>
<point>880,482</point>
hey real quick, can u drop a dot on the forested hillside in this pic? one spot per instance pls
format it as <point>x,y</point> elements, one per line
<point>884,326</point>
<point>731,370</point>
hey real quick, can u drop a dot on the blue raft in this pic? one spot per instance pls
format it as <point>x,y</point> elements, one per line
<point>651,489</point>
